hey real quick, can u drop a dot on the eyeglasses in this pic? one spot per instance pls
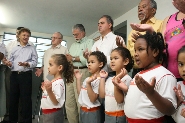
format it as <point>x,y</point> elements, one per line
<point>55,38</point>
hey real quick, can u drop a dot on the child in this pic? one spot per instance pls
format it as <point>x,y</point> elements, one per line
<point>88,91</point>
<point>53,96</point>
<point>180,89</point>
<point>150,94</point>
<point>114,90</point>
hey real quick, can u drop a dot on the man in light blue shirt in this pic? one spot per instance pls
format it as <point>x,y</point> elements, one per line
<point>22,60</point>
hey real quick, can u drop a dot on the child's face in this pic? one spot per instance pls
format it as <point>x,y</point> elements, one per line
<point>181,64</point>
<point>93,64</point>
<point>141,57</point>
<point>53,68</point>
<point>116,61</point>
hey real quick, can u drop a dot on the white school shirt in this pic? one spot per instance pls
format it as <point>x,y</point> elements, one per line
<point>83,98</point>
<point>176,116</point>
<point>110,102</point>
<point>58,89</point>
<point>106,45</point>
<point>138,106</point>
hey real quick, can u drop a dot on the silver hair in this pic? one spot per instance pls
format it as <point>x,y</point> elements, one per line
<point>80,27</point>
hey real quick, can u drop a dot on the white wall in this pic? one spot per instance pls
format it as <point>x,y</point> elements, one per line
<point>164,8</point>
<point>69,40</point>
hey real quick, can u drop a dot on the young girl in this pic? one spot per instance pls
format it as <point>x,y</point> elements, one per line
<point>150,94</point>
<point>115,88</point>
<point>180,89</point>
<point>88,91</point>
<point>53,96</point>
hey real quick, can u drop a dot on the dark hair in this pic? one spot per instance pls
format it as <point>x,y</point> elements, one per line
<point>125,53</point>
<point>18,28</point>
<point>109,20</point>
<point>80,27</point>
<point>182,49</point>
<point>153,4</point>
<point>156,42</point>
<point>100,56</point>
<point>67,72</point>
<point>24,30</point>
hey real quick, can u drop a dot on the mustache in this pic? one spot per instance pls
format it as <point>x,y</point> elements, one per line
<point>141,13</point>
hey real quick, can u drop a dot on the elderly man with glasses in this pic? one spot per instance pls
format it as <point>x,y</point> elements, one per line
<point>56,48</point>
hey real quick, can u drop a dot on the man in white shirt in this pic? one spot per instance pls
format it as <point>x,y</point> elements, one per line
<point>2,51</point>
<point>7,72</point>
<point>105,44</point>
<point>56,48</point>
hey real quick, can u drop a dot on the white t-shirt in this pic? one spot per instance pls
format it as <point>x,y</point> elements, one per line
<point>176,116</point>
<point>110,102</point>
<point>83,98</point>
<point>106,45</point>
<point>2,49</point>
<point>138,106</point>
<point>58,89</point>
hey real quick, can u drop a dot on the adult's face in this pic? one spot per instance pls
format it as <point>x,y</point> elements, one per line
<point>24,37</point>
<point>78,35</point>
<point>145,12</point>
<point>103,26</point>
<point>56,39</point>
<point>180,5</point>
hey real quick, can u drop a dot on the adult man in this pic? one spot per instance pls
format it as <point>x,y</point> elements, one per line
<point>2,51</point>
<point>56,48</point>
<point>146,12</point>
<point>79,62</point>
<point>7,72</point>
<point>22,60</point>
<point>107,40</point>
<point>105,44</point>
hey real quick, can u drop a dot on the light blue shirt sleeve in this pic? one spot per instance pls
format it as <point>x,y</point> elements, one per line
<point>23,54</point>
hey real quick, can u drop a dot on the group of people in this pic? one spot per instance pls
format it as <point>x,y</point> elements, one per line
<point>91,79</point>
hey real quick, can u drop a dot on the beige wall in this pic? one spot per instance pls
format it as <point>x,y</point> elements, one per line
<point>164,9</point>
<point>69,40</point>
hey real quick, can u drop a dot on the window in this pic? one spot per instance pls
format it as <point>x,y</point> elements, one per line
<point>40,43</point>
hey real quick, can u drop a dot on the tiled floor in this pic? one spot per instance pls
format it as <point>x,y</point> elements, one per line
<point>40,121</point>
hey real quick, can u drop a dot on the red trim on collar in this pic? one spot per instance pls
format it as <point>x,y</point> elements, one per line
<point>56,79</point>
<point>154,67</point>
<point>184,82</point>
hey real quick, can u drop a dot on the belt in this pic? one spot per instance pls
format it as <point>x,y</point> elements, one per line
<point>48,111</point>
<point>79,67</point>
<point>157,120</point>
<point>22,72</point>
<point>85,109</point>
<point>116,113</point>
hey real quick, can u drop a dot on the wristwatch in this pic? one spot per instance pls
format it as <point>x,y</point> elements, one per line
<point>73,59</point>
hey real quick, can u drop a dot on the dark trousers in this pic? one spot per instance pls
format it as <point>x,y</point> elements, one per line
<point>20,93</point>
<point>7,74</point>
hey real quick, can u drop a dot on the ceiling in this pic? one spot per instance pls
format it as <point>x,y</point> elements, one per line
<point>48,16</point>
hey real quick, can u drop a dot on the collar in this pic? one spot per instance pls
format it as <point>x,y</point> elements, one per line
<point>19,44</point>
<point>151,20</point>
<point>184,82</point>
<point>106,36</point>
<point>58,46</point>
<point>82,40</point>
<point>154,67</point>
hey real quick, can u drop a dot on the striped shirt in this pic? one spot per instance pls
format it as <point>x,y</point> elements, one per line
<point>23,54</point>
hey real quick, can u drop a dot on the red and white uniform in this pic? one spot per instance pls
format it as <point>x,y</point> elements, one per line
<point>177,117</point>
<point>58,89</point>
<point>83,98</point>
<point>138,106</point>
<point>110,102</point>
